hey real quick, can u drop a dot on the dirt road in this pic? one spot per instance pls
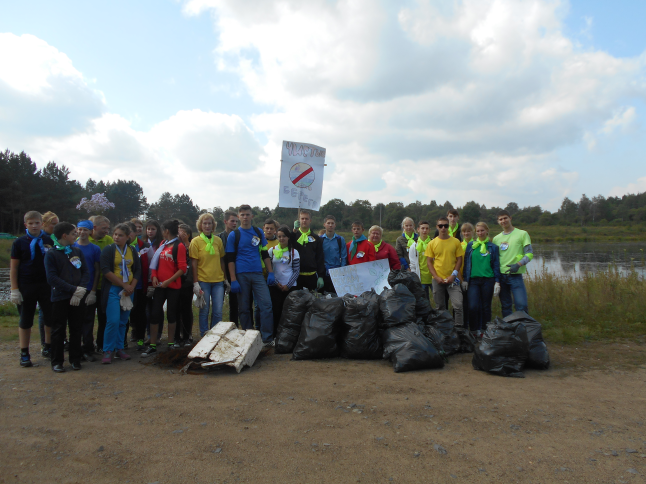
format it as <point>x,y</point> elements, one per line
<point>325,421</point>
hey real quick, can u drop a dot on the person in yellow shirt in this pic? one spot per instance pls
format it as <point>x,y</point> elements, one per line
<point>207,260</point>
<point>444,256</point>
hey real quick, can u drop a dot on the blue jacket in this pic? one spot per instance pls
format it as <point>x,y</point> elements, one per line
<point>494,259</point>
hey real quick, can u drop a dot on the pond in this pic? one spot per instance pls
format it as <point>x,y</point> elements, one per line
<point>568,259</point>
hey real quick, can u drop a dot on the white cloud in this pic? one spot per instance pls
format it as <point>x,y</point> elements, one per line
<point>638,186</point>
<point>426,92</point>
<point>621,120</point>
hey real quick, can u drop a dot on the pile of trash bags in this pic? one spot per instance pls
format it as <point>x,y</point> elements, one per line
<point>400,325</point>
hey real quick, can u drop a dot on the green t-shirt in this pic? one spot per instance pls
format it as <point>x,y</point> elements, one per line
<point>424,274</point>
<point>102,244</point>
<point>512,249</point>
<point>481,264</point>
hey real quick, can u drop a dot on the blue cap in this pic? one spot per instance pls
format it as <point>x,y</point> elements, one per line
<point>86,224</point>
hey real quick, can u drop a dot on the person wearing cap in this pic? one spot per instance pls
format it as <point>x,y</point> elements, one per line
<point>92,255</point>
<point>383,249</point>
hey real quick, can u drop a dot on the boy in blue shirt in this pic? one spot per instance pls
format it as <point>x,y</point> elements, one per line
<point>29,282</point>
<point>246,247</point>
<point>92,255</point>
<point>334,251</point>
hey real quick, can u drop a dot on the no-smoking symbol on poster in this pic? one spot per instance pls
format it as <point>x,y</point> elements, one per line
<point>302,175</point>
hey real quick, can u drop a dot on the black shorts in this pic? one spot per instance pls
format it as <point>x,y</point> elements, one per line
<point>40,293</point>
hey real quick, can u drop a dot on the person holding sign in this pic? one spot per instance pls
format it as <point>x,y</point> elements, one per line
<point>383,250</point>
<point>444,256</point>
<point>310,248</point>
<point>246,247</point>
<point>360,250</point>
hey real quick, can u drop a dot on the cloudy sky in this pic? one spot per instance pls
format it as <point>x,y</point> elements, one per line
<point>486,100</point>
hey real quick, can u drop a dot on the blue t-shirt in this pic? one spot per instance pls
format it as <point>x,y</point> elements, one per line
<point>92,254</point>
<point>248,258</point>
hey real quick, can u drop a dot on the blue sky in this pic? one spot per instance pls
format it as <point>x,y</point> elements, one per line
<point>408,100</point>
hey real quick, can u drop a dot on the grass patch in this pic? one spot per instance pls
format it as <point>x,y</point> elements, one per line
<point>5,252</point>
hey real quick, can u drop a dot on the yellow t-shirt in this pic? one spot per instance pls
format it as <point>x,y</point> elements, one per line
<point>208,266</point>
<point>445,252</point>
<point>129,263</point>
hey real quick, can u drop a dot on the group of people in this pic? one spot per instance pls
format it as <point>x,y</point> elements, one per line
<point>124,277</point>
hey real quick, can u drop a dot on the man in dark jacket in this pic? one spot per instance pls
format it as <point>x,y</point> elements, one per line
<point>310,249</point>
<point>68,275</point>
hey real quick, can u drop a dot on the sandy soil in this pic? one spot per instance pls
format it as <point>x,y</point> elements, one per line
<point>327,421</point>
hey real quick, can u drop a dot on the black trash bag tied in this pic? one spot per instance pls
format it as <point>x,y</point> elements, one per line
<point>359,333</point>
<point>539,358</point>
<point>503,349</point>
<point>408,349</point>
<point>414,285</point>
<point>320,330</point>
<point>434,336</point>
<point>443,321</point>
<point>397,306</point>
<point>296,306</point>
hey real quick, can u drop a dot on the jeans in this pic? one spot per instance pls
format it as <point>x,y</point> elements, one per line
<point>428,290</point>
<point>512,285</point>
<point>116,319</point>
<point>480,293</point>
<point>254,283</point>
<point>64,314</point>
<point>440,293</point>
<point>213,293</point>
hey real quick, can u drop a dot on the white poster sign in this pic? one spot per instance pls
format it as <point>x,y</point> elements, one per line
<point>301,175</point>
<point>361,277</point>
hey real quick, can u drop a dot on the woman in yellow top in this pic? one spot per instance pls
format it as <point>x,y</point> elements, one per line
<point>207,262</point>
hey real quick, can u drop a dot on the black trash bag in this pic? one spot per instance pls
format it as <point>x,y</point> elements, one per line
<point>538,358</point>
<point>408,349</point>
<point>359,333</point>
<point>320,329</point>
<point>289,328</point>
<point>397,306</point>
<point>468,342</point>
<point>503,349</point>
<point>414,285</point>
<point>433,334</point>
<point>443,321</point>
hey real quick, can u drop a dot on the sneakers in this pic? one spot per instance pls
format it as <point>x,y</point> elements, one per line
<point>269,344</point>
<point>46,352</point>
<point>150,351</point>
<point>88,357</point>
<point>76,366</point>
<point>122,355</point>
<point>58,368</point>
<point>174,346</point>
<point>107,358</point>
<point>141,346</point>
<point>25,361</point>
<point>188,342</point>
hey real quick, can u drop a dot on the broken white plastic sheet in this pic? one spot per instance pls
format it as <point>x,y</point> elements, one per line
<point>224,344</point>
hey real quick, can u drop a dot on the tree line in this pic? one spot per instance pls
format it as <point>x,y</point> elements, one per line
<point>24,187</point>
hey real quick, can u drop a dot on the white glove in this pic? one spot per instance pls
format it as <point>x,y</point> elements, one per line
<point>227,287</point>
<point>91,298</point>
<point>465,286</point>
<point>496,289</point>
<point>16,297</point>
<point>150,291</point>
<point>199,302</point>
<point>126,302</point>
<point>196,288</point>
<point>78,295</point>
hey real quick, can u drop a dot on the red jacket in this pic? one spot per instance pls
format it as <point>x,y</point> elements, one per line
<point>365,253</point>
<point>387,251</point>
<point>167,267</point>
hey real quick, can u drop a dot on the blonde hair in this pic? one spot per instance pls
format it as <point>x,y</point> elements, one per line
<point>407,219</point>
<point>376,227</point>
<point>201,220</point>
<point>483,224</point>
<point>48,217</point>
<point>33,215</point>
<point>467,225</point>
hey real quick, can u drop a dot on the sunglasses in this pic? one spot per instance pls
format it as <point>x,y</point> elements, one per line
<point>442,226</point>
